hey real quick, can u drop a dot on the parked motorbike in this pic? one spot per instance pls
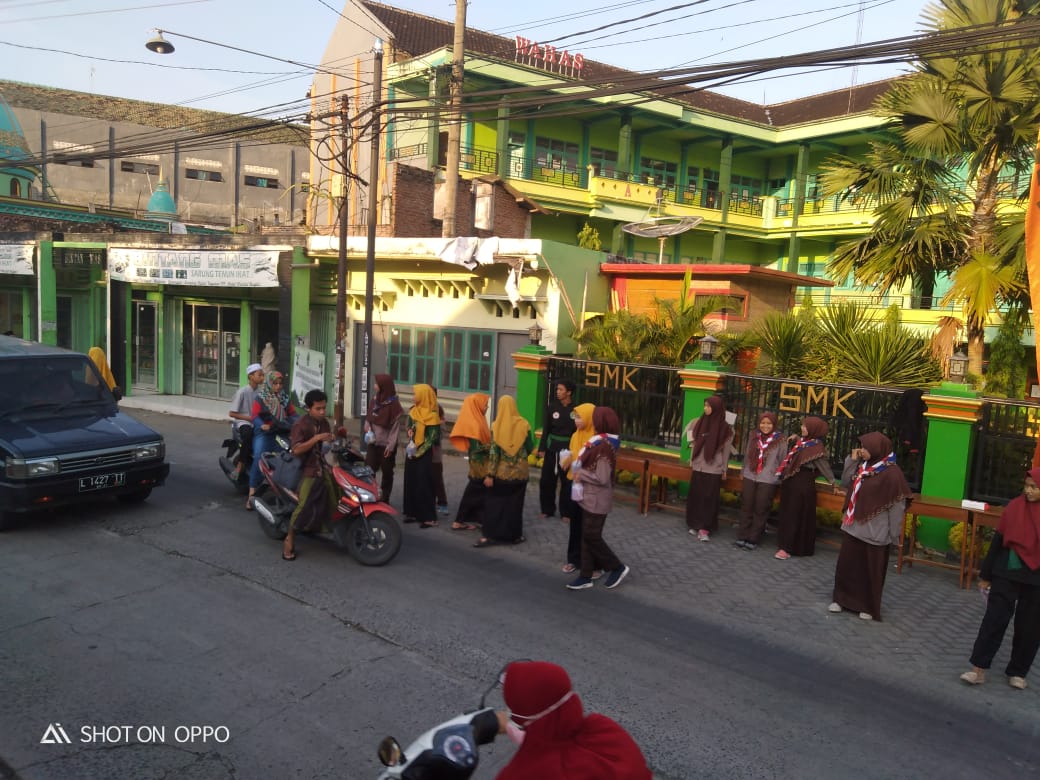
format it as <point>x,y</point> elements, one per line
<point>230,459</point>
<point>362,524</point>
<point>448,751</point>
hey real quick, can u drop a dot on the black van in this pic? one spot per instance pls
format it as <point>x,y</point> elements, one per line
<point>63,439</point>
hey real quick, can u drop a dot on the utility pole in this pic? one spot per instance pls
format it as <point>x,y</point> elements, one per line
<point>341,270</point>
<point>373,218</point>
<point>451,181</point>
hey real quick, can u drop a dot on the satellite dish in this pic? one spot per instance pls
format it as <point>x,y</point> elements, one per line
<point>661,226</point>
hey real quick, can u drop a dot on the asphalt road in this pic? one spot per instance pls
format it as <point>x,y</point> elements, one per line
<point>181,614</point>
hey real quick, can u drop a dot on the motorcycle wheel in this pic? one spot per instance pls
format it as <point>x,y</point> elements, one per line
<point>375,549</point>
<point>277,530</point>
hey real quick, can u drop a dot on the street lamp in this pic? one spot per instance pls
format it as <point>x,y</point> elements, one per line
<point>159,45</point>
<point>958,366</point>
<point>534,334</point>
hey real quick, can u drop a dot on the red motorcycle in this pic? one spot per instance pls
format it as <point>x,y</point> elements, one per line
<point>362,524</point>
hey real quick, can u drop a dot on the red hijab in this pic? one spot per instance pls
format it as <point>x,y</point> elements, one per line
<point>560,742</point>
<point>710,430</point>
<point>806,449</point>
<point>882,484</point>
<point>1020,526</point>
<point>385,408</point>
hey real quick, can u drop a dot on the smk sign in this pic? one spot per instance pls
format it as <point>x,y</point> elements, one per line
<point>55,735</point>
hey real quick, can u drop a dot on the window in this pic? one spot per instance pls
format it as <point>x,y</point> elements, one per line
<point>603,162</point>
<point>79,162</point>
<point>16,188</point>
<point>659,172</point>
<point>201,175</point>
<point>745,187</point>
<point>450,359</point>
<point>261,181</point>
<point>130,166</point>
<point>553,153</point>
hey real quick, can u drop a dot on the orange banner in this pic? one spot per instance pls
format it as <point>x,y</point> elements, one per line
<point>1033,258</point>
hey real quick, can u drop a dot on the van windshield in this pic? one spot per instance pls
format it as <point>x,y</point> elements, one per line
<point>51,384</point>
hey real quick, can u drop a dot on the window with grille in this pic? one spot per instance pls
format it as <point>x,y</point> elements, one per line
<point>201,175</point>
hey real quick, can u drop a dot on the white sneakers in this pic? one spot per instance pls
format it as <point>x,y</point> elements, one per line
<point>834,607</point>
<point>975,677</point>
<point>1017,682</point>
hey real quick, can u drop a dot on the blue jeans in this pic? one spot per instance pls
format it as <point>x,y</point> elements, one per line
<point>263,441</point>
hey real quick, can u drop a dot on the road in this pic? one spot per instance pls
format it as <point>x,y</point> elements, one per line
<point>722,664</point>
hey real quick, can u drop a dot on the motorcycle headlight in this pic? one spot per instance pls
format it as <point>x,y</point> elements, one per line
<point>20,468</point>
<point>153,451</point>
<point>365,495</point>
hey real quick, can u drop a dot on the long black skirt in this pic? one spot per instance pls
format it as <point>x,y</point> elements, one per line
<point>859,576</point>
<point>702,502</point>
<point>419,499</point>
<point>796,525</point>
<point>504,510</point>
<point>471,505</point>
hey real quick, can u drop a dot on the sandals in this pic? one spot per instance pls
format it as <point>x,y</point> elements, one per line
<point>569,568</point>
<point>782,555</point>
<point>463,527</point>
<point>483,543</point>
<point>428,524</point>
<point>290,556</point>
<point>249,504</point>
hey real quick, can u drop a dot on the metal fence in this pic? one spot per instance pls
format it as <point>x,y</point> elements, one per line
<point>1005,440</point>
<point>648,399</point>
<point>649,402</point>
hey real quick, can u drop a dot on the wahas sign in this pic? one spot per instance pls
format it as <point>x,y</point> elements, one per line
<point>56,734</point>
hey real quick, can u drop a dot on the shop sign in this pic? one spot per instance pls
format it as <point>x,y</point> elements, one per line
<point>198,268</point>
<point>65,257</point>
<point>806,399</point>
<point>16,259</point>
<point>308,372</point>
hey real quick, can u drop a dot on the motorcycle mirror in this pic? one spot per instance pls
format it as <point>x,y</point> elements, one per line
<point>390,752</point>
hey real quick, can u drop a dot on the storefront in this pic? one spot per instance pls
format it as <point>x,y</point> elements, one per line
<point>17,289</point>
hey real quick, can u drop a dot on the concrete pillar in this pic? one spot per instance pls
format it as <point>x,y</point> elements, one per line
<point>532,383</point>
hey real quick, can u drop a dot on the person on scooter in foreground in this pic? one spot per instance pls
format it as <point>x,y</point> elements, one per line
<point>317,492</point>
<point>557,741</point>
<point>242,414</point>
<point>271,407</point>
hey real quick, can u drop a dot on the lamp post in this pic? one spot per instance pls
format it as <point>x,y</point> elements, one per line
<point>958,367</point>
<point>534,334</point>
<point>373,207</point>
<point>709,344</point>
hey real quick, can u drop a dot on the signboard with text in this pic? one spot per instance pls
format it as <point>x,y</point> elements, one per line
<point>17,259</point>
<point>198,268</point>
<point>308,372</point>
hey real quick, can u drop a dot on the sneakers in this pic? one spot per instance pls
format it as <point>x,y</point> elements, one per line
<point>749,546</point>
<point>579,583</point>
<point>740,544</point>
<point>442,509</point>
<point>569,568</point>
<point>865,616</point>
<point>703,536</point>
<point>782,555</point>
<point>977,677</point>
<point>834,607</point>
<point>615,577</point>
<point>1014,682</point>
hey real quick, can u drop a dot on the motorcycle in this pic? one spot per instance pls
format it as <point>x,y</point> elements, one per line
<point>448,751</point>
<point>230,459</point>
<point>362,524</point>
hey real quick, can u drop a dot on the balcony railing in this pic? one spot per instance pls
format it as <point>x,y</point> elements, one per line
<point>905,302</point>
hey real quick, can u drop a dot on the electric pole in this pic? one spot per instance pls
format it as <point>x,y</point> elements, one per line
<point>341,270</point>
<point>451,181</point>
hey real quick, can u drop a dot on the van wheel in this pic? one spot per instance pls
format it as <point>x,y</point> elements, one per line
<point>136,496</point>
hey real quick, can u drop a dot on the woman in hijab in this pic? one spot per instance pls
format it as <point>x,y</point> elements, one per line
<point>382,430</point>
<point>875,507</point>
<point>511,443</point>
<point>711,439</point>
<point>1010,576</point>
<point>765,449</point>
<point>472,435</point>
<point>570,509</point>
<point>806,460</point>
<point>424,431</point>
<point>97,357</point>
<point>271,409</point>
<point>557,740</point>
<point>594,489</point>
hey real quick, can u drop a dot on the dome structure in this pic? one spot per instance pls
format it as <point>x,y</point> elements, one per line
<point>161,205</point>
<point>16,180</point>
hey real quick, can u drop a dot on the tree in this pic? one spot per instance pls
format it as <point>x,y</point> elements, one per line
<point>588,238</point>
<point>959,123</point>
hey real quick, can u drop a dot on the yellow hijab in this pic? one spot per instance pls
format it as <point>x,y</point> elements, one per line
<point>581,435</point>
<point>424,412</point>
<point>509,430</point>
<point>97,357</point>
<point>472,423</point>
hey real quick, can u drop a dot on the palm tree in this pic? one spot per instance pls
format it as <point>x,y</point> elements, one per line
<point>959,122</point>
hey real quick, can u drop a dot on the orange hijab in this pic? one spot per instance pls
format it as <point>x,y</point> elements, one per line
<point>472,423</point>
<point>509,430</point>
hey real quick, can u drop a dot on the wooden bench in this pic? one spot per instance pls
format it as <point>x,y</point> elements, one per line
<point>635,461</point>
<point>929,506</point>
<point>978,518</point>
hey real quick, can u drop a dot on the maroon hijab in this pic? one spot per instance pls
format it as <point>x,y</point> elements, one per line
<point>561,742</point>
<point>806,449</point>
<point>1020,526</point>
<point>882,489</point>
<point>605,423</point>
<point>753,453</point>
<point>385,408</point>
<point>710,430</point>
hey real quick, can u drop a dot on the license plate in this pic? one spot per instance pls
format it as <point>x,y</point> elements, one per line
<point>102,482</point>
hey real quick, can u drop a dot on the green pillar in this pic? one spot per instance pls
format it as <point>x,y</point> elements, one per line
<point>300,316</point>
<point>28,330</point>
<point>532,384</point>
<point>726,175</point>
<point>502,139</point>
<point>952,412</point>
<point>624,153</point>
<point>245,340</point>
<point>47,295</point>
<point>801,173</point>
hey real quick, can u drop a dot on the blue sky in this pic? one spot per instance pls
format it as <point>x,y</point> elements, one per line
<point>713,31</point>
